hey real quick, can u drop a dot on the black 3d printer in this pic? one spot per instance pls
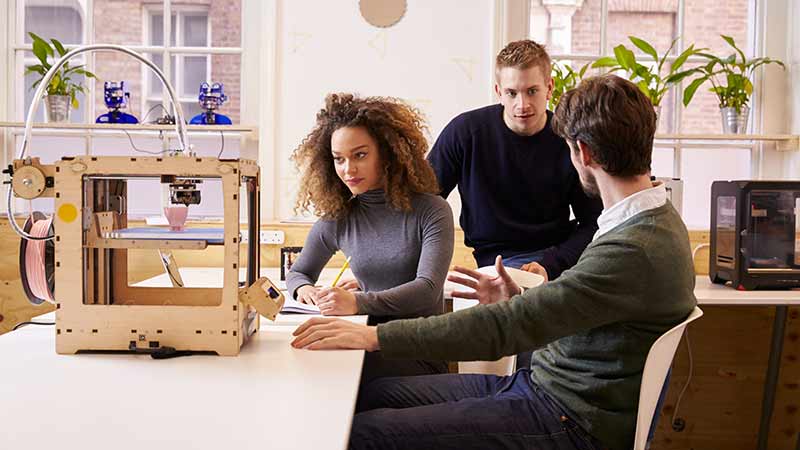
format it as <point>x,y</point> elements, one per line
<point>755,234</point>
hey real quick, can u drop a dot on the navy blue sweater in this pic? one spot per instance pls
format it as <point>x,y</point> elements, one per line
<point>516,191</point>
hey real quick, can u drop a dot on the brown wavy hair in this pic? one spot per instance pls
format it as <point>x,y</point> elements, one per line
<point>398,130</point>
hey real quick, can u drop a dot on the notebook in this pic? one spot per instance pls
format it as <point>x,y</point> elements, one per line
<point>291,306</point>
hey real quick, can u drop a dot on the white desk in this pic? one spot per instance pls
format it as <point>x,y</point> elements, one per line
<point>271,396</point>
<point>708,293</point>
<point>211,277</point>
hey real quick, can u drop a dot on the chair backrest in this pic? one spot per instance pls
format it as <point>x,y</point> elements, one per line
<point>656,366</point>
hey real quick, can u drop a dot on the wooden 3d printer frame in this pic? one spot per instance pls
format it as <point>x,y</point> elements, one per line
<point>96,308</point>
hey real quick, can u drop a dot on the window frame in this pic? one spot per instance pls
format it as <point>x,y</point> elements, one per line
<point>677,108</point>
<point>168,51</point>
<point>17,45</point>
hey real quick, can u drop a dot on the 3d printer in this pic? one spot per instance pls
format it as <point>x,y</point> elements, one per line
<point>755,234</point>
<point>82,250</point>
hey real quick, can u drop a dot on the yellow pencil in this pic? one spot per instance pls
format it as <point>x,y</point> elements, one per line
<point>339,275</point>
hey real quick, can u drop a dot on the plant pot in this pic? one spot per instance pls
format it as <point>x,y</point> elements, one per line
<point>733,122</point>
<point>57,108</point>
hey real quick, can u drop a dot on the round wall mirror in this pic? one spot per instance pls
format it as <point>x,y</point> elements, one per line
<point>382,13</point>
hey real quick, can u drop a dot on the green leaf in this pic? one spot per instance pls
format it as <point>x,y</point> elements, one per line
<point>645,88</point>
<point>644,46</point>
<point>38,68</point>
<point>75,104</point>
<point>34,36</point>
<point>605,61</point>
<point>40,49</point>
<point>688,94</point>
<point>748,87</point>
<point>730,42</point>
<point>682,58</point>
<point>679,76</point>
<point>625,57</point>
<point>60,48</point>
<point>582,72</point>
<point>643,72</point>
<point>719,90</point>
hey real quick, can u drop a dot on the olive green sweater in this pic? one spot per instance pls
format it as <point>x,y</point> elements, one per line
<point>591,328</point>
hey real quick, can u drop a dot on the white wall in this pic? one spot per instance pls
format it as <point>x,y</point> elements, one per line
<point>794,64</point>
<point>438,57</point>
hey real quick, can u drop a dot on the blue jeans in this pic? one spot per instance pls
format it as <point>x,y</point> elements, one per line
<point>464,412</point>
<point>516,261</point>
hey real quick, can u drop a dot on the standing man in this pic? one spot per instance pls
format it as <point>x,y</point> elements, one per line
<point>514,174</point>
<point>591,328</point>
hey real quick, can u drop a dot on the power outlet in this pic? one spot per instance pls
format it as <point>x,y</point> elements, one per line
<point>269,237</point>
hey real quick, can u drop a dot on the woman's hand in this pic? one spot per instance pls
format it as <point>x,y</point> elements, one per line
<point>308,294</point>
<point>349,284</point>
<point>336,302</point>
<point>487,289</point>
<point>327,333</point>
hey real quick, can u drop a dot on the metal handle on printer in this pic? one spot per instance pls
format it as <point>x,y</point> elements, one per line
<point>180,124</point>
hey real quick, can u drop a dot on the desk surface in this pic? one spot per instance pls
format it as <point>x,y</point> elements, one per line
<point>708,293</point>
<point>271,396</point>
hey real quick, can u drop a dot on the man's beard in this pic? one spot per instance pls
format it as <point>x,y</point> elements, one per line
<point>589,185</point>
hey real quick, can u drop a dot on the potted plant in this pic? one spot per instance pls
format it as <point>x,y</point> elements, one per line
<point>648,76</point>
<point>62,90</point>
<point>564,79</point>
<point>734,95</point>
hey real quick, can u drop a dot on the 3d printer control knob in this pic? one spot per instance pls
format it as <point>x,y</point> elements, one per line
<point>28,182</point>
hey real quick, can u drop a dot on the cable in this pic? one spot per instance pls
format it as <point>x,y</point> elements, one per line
<point>688,378</point>
<point>222,144</point>
<point>22,324</point>
<point>157,105</point>
<point>149,152</point>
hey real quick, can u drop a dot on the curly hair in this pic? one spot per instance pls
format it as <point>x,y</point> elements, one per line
<point>398,130</point>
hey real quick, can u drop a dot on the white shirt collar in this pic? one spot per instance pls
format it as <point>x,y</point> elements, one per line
<point>631,205</point>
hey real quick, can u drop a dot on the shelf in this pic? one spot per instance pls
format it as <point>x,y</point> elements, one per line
<point>783,142</point>
<point>136,127</point>
<point>729,137</point>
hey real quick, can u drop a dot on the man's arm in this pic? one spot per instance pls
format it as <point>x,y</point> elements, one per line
<point>561,257</point>
<point>446,158</point>
<point>596,292</point>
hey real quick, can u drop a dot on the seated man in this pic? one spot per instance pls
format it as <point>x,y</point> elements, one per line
<point>591,329</point>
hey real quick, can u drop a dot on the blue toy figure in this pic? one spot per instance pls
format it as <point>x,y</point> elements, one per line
<point>211,97</point>
<point>116,98</point>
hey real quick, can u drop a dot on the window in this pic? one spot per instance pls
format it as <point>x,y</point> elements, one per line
<point>205,44</point>
<point>189,28</point>
<point>63,22</point>
<point>580,31</point>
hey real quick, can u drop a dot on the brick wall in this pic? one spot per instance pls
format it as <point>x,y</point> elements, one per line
<point>656,22</point>
<point>122,22</point>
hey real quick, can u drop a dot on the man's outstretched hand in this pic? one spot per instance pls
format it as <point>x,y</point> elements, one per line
<point>487,289</point>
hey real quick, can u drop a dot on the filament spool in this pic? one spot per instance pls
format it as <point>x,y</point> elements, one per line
<point>37,260</point>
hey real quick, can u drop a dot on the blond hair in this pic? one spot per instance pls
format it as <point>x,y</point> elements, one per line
<point>522,55</point>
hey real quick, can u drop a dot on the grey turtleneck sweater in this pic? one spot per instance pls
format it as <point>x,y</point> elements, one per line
<point>400,259</point>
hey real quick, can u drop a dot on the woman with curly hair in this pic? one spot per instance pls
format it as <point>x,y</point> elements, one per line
<point>363,169</point>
